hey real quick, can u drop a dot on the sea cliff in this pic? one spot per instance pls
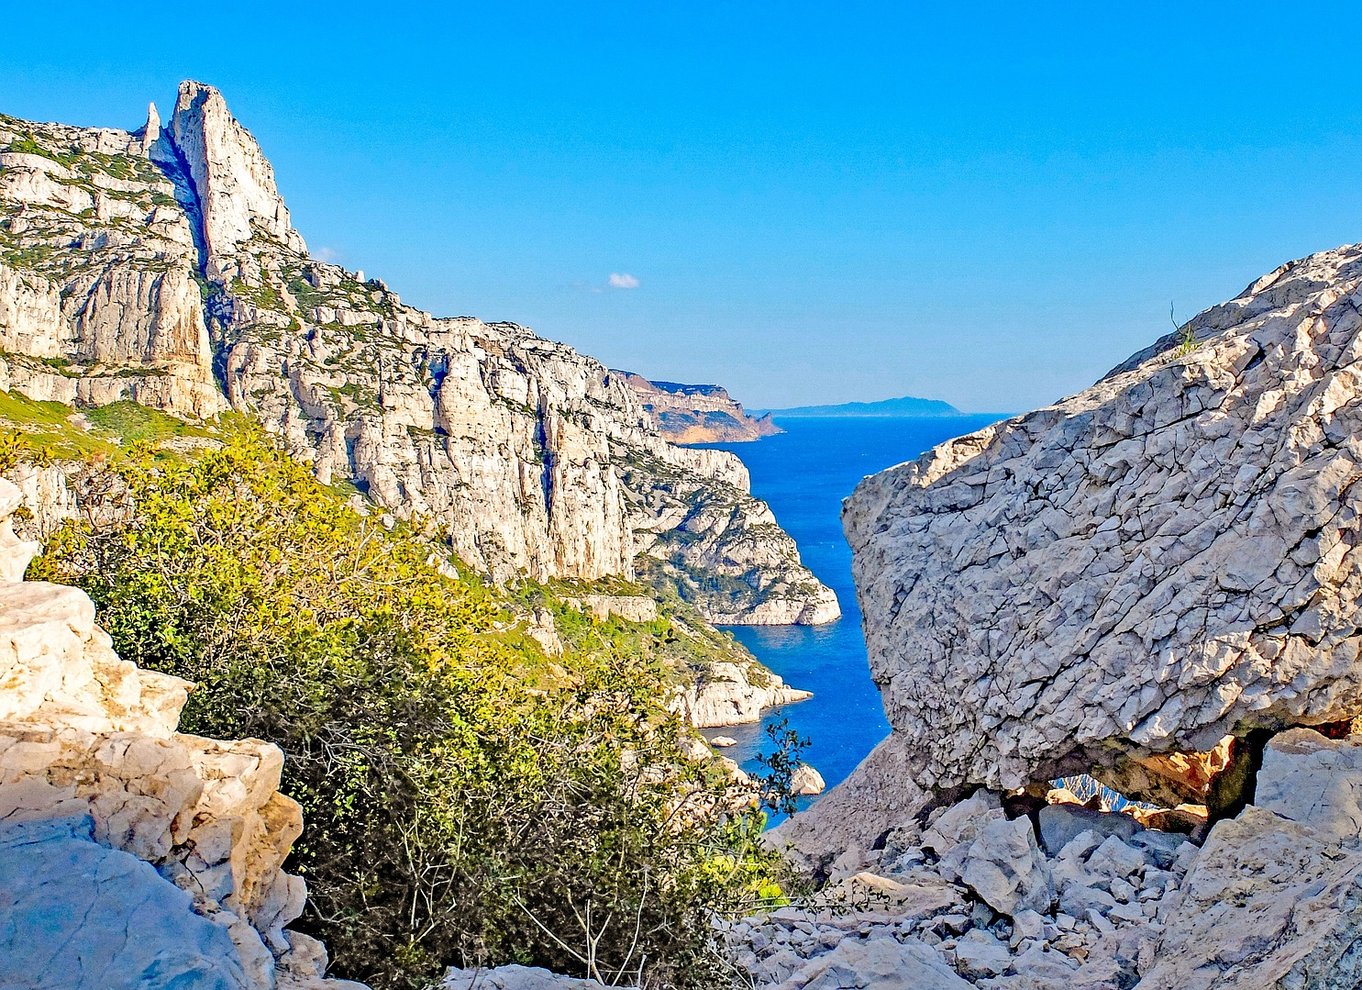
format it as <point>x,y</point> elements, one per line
<point>698,413</point>
<point>161,266</point>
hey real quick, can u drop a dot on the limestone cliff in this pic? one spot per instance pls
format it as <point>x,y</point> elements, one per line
<point>161,266</point>
<point>698,413</point>
<point>155,854</point>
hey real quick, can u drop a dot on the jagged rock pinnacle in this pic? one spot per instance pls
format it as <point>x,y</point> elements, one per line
<point>151,131</point>
<point>231,176</point>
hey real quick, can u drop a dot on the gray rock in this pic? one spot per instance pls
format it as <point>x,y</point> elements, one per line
<point>884,964</point>
<point>1269,904</point>
<point>1061,823</point>
<point>978,954</point>
<point>514,978</point>
<point>1116,859</point>
<point>1006,870</point>
<point>75,915</point>
<point>1315,781</point>
<point>1161,848</point>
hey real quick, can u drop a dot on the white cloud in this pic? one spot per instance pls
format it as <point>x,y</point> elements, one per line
<point>329,255</point>
<point>622,280</point>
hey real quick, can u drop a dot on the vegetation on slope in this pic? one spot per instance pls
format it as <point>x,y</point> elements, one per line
<point>468,799</point>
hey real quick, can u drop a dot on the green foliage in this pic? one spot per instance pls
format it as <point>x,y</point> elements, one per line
<point>133,423</point>
<point>467,800</point>
<point>47,431</point>
<point>781,764</point>
<point>1187,341</point>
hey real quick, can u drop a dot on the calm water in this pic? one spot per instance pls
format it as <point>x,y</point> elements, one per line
<point>804,474</point>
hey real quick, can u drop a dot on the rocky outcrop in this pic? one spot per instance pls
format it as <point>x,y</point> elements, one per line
<point>735,694</point>
<point>76,928</point>
<point>161,266</point>
<point>514,978</point>
<point>237,199</point>
<point>1158,562</point>
<point>697,413</point>
<point>1151,581</point>
<point>968,897</point>
<point>95,782</point>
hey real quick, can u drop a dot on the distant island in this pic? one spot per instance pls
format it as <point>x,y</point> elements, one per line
<point>907,405</point>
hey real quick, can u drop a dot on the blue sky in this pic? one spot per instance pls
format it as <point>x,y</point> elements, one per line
<point>989,204</point>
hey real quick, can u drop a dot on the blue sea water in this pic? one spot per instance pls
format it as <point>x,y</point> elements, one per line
<point>804,474</point>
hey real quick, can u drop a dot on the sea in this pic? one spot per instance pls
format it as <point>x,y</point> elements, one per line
<point>804,474</point>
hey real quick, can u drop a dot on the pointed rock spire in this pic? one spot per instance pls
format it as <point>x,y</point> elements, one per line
<point>231,176</point>
<point>151,131</point>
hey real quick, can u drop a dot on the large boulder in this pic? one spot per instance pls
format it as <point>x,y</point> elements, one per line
<point>1146,567</point>
<point>1269,903</point>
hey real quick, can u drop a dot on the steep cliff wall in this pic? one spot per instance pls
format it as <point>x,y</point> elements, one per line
<point>161,266</point>
<point>147,857</point>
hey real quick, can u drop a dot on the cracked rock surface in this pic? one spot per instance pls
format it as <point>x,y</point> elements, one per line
<point>1161,560</point>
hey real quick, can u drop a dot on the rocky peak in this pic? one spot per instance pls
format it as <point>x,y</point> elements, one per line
<point>232,179</point>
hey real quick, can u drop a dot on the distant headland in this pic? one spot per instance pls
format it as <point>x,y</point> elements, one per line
<point>907,405</point>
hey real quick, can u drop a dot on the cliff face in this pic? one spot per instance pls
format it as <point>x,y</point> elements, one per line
<point>109,815</point>
<point>697,413</point>
<point>161,266</point>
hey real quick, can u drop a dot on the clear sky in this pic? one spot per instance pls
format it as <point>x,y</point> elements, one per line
<point>806,202</point>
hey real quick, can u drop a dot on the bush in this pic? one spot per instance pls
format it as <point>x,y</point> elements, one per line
<point>467,801</point>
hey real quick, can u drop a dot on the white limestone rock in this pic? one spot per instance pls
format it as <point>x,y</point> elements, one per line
<point>1316,781</point>
<point>806,781</point>
<point>75,915</point>
<point>881,963</point>
<point>514,978</point>
<point>1161,560</point>
<point>735,694</point>
<point>233,179</point>
<point>1269,903</point>
<point>1006,869</point>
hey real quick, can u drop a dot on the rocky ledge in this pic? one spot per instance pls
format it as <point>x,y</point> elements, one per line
<point>130,854</point>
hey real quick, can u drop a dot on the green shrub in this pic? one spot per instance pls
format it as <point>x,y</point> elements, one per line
<point>467,801</point>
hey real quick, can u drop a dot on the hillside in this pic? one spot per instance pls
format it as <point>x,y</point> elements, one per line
<point>161,267</point>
